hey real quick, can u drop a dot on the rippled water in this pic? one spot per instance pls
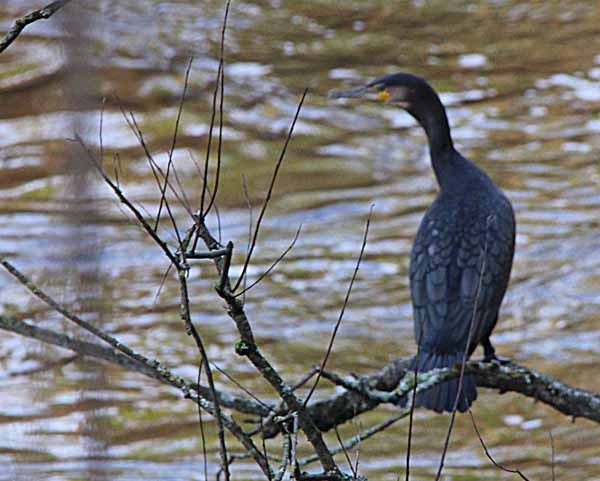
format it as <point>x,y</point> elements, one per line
<point>522,84</point>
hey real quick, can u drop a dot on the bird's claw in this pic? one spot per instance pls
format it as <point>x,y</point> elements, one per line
<point>497,359</point>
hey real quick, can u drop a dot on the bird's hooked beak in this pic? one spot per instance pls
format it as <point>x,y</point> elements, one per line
<point>362,92</point>
<point>376,93</point>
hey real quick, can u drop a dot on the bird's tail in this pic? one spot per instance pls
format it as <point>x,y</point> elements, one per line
<point>442,397</point>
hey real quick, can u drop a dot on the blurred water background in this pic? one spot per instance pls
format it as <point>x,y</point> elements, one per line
<point>522,84</point>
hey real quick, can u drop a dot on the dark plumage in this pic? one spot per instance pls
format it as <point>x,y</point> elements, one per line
<point>462,252</point>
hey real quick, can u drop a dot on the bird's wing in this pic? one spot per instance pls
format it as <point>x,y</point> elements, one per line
<point>447,264</point>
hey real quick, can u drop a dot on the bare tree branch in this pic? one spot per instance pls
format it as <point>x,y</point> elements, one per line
<point>40,294</point>
<point>150,368</point>
<point>365,393</point>
<point>285,456</point>
<point>247,347</point>
<point>20,23</point>
<point>343,407</point>
<point>191,330</point>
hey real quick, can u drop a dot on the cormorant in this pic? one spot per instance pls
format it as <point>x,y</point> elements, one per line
<point>463,251</point>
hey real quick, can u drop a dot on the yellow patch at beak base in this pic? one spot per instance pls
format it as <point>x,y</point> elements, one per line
<point>383,95</point>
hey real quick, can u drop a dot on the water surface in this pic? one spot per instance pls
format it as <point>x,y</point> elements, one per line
<point>522,84</point>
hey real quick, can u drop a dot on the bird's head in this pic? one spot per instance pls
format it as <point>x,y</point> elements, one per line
<point>402,89</point>
<point>413,94</point>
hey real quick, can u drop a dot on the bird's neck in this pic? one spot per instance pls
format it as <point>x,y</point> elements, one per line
<point>431,115</point>
<point>438,134</point>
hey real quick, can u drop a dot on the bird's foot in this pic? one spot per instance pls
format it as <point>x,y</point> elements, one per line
<point>497,359</point>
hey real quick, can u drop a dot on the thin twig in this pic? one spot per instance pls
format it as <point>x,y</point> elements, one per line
<point>294,447</point>
<point>223,281</point>
<point>357,454</point>
<point>355,440</point>
<point>147,366</point>
<point>264,446</point>
<point>137,131</point>
<point>191,330</point>
<point>101,129</point>
<point>130,221</point>
<point>41,14</point>
<point>209,141</point>
<point>247,347</point>
<point>345,451</point>
<point>148,215</point>
<point>250,215</point>
<point>196,163</point>
<point>412,403</point>
<point>174,143</point>
<point>343,310</point>
<point>135,128</point>
<point>489,456</point>
<point>181,188</point>
<point>162,284</point>
<point>552,459</point>
<point>40,294</point>
<point>269,193</point>
<point>118,170</point>
<point>307,377</point>
<point>238,384</point>
<point>285,456</point>
<point>45,367</point>
<point>219,226</point>
<point>162,187</point>
<point>119,193</point>
<point>273,265</point>
<point>201,422</point>
<point>117,180</point>
<point>221,100</point>
<point>214,254</point>
<point>216,206</point>
<point>467,346</point>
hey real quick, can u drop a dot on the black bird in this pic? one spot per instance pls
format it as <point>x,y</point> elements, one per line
<point>463,251</point>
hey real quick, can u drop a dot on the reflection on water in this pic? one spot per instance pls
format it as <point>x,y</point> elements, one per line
<point>522,85</point>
